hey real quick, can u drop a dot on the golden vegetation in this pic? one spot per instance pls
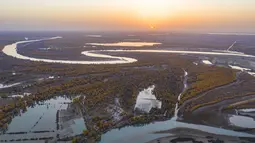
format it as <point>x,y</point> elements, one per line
<point>207,80</point>
<point>242,104</point>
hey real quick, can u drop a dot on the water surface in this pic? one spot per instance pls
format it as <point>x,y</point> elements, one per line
<point>142,134</point>
<point>41,121</point>
<point>11,50</point>
<point>146,100</point>
<point>242,121</point>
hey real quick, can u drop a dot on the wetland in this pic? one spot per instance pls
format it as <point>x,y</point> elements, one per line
<point>163,88</point>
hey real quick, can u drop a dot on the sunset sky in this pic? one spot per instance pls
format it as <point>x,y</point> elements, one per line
<point>184,15</point>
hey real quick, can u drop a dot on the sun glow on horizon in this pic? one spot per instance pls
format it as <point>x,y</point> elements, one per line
<point>157,13</point>
<point>216,15</point>
<point>155,9</point>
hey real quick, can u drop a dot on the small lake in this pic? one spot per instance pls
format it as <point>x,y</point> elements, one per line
<point>126,44</point>
<point>242,121</point>
<point>146,100</point>
<point>41,121</point>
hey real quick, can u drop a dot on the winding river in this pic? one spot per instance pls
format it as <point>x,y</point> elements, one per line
<point>11,50</point>
<point>143,133</point>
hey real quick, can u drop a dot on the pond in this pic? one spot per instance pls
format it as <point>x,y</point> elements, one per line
<point>242,121</point>
<point>48,119</point>
<point>146,100</point>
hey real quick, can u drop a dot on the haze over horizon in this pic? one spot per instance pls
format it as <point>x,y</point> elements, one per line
<point>116,15</point>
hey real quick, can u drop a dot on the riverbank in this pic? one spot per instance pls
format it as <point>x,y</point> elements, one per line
<point>180,135</point>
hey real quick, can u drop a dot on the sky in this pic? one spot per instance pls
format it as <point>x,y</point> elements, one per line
<point>115,15</point>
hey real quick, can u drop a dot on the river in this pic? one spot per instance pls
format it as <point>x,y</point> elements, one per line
<point>147,133</point>
<point>11,50</point>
